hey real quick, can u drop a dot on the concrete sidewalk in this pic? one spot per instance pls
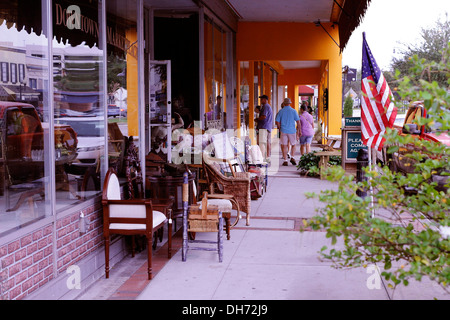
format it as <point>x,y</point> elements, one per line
<point>268,260</point>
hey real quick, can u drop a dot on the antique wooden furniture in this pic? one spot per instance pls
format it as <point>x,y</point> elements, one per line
<point>200,218</point>
<point>131,217</point>
<point>164,186</point>
<point>134,187</point>
<point>154,165</point>
<point>224,202</point>
<point>238,185</point>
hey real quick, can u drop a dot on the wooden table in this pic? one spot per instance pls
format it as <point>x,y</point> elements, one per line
<point>164,186</point>
<point>324,158</point>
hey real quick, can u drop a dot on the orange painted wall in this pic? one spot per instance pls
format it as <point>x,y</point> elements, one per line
<point>279,41</point>
<point>132,88</point>
<point>285,41</point>
<point>292,78</point>
<point>299,76</point>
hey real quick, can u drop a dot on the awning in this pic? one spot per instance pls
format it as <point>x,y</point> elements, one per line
<point>349,19</point>
<point>25,14</point>
<point>305,91</point>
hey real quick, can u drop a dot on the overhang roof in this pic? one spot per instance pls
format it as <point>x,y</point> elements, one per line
<point>346,13</point>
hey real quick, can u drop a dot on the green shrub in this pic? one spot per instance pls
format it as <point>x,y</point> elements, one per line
<point>309,163</point>
<point>348,107</point>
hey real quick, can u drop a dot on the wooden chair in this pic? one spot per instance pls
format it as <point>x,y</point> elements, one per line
<point>134,188</point>
<point>224,202</point>
<point>234,162</point>
<point>131,217</point>
<point>200,218</point>
<point>237,185</point>
<point>134,215</point>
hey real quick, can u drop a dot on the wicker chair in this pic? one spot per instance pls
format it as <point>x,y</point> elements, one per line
<point>238,186</point>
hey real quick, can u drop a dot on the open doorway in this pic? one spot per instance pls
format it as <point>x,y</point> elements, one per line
<point>176,38</point>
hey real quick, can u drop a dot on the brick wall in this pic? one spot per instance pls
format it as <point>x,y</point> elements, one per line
<point>26,264</point>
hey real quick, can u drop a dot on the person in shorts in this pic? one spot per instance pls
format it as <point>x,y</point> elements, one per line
<point>264,127</point>
<point>288,122</point>
<point>307,128</point>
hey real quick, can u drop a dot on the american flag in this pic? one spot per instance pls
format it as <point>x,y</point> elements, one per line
<point>378,111</point>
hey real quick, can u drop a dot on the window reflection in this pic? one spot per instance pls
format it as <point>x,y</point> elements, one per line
<point>244,90</point>
<point>215,75</point>
<point>122,79</point>
<point>78,101</point>
<point>24,168</point>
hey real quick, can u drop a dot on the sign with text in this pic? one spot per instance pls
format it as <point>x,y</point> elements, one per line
<point>353,122</point>
<point>354,143</point>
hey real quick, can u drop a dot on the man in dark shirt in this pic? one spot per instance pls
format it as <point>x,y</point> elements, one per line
<point>264,127</point>
<point>218,108</point>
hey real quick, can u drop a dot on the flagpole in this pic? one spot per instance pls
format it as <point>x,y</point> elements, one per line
<point>372,210</point>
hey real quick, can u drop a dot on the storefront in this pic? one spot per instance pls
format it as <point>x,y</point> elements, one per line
<point>78,76</point>
<point>65,66</point>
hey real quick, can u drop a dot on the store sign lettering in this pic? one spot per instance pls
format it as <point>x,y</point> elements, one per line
<point>354,143</point>
<point>73,19</point>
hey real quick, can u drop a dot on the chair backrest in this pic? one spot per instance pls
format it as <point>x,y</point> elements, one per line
<point>111,188</point>
<point>255,155</point>
<point>223,149</point>
<point>121,216</point>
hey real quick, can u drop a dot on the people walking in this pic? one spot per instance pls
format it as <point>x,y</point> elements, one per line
<point>288,122</point>
<point>307,128</point>
<point>279,132</point>
<point>264,127</point>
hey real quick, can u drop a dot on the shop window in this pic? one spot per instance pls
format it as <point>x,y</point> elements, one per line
<point>79,107</point>
<point>24,144</point>
<point>122,78</point>
<point>245,78</point>
<point>215,74</point>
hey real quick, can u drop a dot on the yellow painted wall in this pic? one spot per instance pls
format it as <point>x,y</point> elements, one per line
<point>279,41</point>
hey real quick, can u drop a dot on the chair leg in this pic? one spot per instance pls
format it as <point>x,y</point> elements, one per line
<point>185,236</point>
<point>220,238</point>
<point>107,257</point>
<point>227,216</point>
<point>169,240</point>
<point>149,256</point>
